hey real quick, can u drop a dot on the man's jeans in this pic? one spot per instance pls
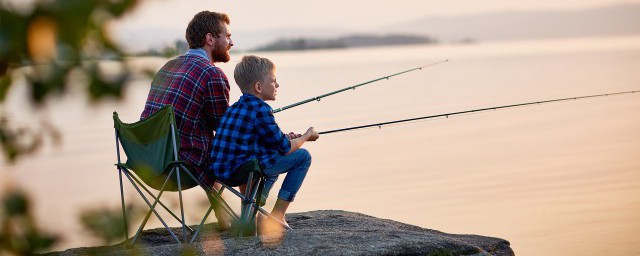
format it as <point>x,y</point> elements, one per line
<point>295,165</point>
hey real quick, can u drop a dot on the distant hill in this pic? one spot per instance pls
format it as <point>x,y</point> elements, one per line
<point>343,42</point>
<point>612,20</point>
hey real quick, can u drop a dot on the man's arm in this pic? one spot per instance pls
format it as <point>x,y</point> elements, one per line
<point>216,98</point>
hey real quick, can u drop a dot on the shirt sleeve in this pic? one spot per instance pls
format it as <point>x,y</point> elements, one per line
<point>216,98</point>
<point>269,132</point>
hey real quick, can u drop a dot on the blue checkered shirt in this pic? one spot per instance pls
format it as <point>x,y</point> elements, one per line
<point>247,131</point>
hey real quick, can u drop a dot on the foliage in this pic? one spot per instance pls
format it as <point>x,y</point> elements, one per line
<point>108,224</point>
<point>47,44</point>
<point>51,43</point>
<point>18,232</point>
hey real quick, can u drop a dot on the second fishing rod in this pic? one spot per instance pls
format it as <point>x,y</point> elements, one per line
<point>447,115</point>
<point>317,98</point>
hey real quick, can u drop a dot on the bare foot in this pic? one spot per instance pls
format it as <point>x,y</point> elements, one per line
<point>224,222</point>
<point>270,225</point>
<point>270,231</point>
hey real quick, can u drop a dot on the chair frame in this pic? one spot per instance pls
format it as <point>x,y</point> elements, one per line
<point>176,167</point>
<point>249,206</point>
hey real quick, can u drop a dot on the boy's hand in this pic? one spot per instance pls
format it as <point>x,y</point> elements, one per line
<point>311,134</point>
<point>293,135</point>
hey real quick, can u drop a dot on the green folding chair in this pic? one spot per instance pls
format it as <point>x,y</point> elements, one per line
<point>151,148</point>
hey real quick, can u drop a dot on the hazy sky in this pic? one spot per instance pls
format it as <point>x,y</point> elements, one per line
<point>158,22</point>
<point>350,14</point>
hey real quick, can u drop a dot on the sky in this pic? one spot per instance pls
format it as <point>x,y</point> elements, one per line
<point>161,20</point>
<point>350,14</point>
<point>158,23</point>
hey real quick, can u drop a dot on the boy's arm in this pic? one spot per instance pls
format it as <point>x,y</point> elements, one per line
<point>310,135</point>
<point>269,134</point>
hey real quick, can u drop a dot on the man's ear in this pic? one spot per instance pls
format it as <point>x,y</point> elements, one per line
<point>209,39</point>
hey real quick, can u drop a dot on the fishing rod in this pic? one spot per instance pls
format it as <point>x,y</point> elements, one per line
<point>447,115</point>
<point>317,98</point>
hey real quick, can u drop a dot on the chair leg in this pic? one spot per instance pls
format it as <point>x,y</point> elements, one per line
<point>217,198</point>
<point>124,211</point>
<point>193,238</point>
<point>152,209</point>
<point>184,230</point>
<point>217,195</point>
<point>159,202</point>
<point>248,202</point>
<point>254,199</point>
<point>238,194</point>
<point>223,203</point>
<point>244,197</point>
<point>213,197</point>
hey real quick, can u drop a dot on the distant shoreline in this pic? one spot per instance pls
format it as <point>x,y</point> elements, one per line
<point>350,41</point>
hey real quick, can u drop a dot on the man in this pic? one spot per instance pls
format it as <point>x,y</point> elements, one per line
<point>198,91</point>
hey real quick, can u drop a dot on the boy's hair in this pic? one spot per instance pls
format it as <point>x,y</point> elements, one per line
<point>202,23</point>
<point>252,69</point>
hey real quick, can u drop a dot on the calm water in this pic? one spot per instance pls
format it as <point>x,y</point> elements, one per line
<point>555,179</point>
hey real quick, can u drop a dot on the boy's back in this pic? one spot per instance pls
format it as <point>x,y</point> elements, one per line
<point>247,131</point>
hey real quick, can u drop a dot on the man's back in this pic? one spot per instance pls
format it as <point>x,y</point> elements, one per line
<point>199,93</point>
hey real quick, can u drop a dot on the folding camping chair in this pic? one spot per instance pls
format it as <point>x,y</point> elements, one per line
<point>152,154</point>
<point>151,148</point>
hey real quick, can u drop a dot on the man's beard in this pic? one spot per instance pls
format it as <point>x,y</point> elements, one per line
<point>220,54</point>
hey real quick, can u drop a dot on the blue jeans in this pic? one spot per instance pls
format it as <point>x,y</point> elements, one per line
<point>295,165</point>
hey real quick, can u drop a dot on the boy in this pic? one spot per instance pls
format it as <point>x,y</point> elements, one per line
<point>248,131</point>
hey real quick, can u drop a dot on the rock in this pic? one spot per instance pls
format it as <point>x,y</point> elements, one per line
<point>315,233</point>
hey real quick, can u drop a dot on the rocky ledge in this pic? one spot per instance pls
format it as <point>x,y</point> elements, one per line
<point>315,233</point>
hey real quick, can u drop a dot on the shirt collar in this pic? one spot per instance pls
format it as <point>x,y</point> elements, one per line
<point>251,97</point>
<point>198,52</point>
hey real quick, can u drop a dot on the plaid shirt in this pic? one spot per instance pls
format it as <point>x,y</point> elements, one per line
<point>247,131</point>
<point>199,93</point>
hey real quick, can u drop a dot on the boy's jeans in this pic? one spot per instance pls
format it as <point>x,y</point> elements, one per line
<point>295,165</point>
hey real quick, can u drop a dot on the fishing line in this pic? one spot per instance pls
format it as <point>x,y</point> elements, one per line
<point>317,98</point>
<point>447,115</point>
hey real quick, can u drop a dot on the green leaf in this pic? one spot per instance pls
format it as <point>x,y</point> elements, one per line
<point>15,204</point>
<point>5,83</point>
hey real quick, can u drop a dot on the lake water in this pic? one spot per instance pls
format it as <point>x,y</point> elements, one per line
<point>554,179</point>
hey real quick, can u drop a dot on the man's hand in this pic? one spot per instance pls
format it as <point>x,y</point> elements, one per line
<point>293,135</point>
